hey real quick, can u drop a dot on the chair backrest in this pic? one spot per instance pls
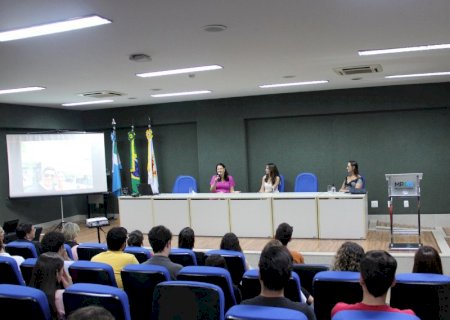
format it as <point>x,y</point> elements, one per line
<point>68,250</point>
<point>92,272</point>
<point>249,312</point>
<point>87,250</point>
<point>235,263</point>
<point>184,184</point>
<point>251,287</point>
<point>185,257</point>
<point>9,271</point>
<point>139,282</point>
<point>22,302</point>
<point>281,185</point>
<point>26,249</point>
<point>427,294</point>
<point>331,287</point>
<point>306,182</point>
<point>372,315</point>
<point>142,254</point>
<point>215,275</point>
<point>111,298</point>
<point>187,300</point>
<point>27,269</point>
<point>306,272</point>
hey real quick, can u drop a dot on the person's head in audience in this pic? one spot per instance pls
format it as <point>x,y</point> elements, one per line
<point>186,238</point>
<point>116,239</point>
<point>135,239</point>
<point>377,273</point>
<point>25,231</point>
<point>230,242</point>
<point>275,266</point>
<point>70,231</point>
<point>160,239</point>
<point>216,260</point>
<point>91,313</point>
<point>2,238</point>
<point>47,275</point>
<point>284,233</point>
<point>427,260</point>
<point>53,241</point>
<point>348,257</point>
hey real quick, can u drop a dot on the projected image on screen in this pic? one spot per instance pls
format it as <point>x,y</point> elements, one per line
<point>56,164</point>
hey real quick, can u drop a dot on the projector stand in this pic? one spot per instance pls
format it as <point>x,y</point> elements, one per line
<point>60,225</point>
<point>98,233</point>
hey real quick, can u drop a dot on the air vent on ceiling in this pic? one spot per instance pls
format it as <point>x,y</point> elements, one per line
<point>102,94</point>
<point>349,71</point>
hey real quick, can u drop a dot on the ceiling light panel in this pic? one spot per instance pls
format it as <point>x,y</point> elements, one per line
<point>176,94</point>
<point>179,71</point>
<point>50,28</point>
<point>20,90</point>
<point>292,84</point>
<point>405,49</point>
<point>85,103</point>
<point>431,74</point>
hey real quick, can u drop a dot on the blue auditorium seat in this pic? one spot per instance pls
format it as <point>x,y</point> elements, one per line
<point>27,269</point>
<point>248,312</point>
<point>185,257</point>
<point>184,184</point>
<point>235,263</point>
<point>87,250</point>
<point>26,249</point>
<point>10,272</point>
<point>92,272</point>
<point>306,182</point>
<point>22,302</point>
<point>372,315</point>
<point>142,254</point>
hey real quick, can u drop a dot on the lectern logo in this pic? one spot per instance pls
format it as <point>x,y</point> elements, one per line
<point>404,185</point>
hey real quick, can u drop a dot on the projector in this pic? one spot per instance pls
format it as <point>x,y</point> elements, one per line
<point>97,222</point>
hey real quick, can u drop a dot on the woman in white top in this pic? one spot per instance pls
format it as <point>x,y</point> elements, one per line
<point>271,180</point>
<point>18,259</point>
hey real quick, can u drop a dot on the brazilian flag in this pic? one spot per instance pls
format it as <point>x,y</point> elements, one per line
<point>134,163</point>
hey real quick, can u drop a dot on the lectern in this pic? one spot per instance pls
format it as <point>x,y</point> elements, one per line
<point>403,185</point>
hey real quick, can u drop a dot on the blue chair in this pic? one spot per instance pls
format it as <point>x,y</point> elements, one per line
<point>249,312</point>
<point>185,257</point>
<point>139,282</point>
<point>235,263</point>
<point>215,275</point>
<point>22,302</point>
<point>142,254</point>
<point>68,250</point>
<point>307,271</point>
<point>187,300</point>
<point>27,269</point>
<point>331,287</point>
<point>9,271</point>
<point>87,250</point>
<point>372,315</point>
<point>251,287</point>
<point>306,182</point>
<point>92,272</point>
<point>281,185</point>
<point>184,184</point>
<point>427,294</point>
<point>85,294</point>
<point>26,249</point>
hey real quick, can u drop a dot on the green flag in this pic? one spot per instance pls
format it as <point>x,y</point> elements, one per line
<point>134,164</point>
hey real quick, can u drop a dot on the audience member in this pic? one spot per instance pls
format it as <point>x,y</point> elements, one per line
<point>160,239</point>
<point>275,267</point>
<point>49,276</point>
<point>427,260</point>
<point>70,231</point>
<point>135,239</point>
<point>284,235</point>
<point>271,180</point>
<point>19,259</point>
<point>54,242</point>
<point>348,257</point>
<point>91,313</point>
<point>26,232</point>
<point>116,239</point>
<point>186,240</point>
<point>231,242</point>
<point>377,276</point>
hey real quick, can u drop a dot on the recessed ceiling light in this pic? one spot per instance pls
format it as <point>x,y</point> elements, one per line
<point>432,74</point>
<point>405,49</point>
<point>277,85</point>
<point>178,71</point>
<point>289,76</point>
<point>50,28</point>
<point>19,90</point>
<point>85,103</point>
<point>140,57</point>
<point>187,93</point>
<point>215,28</point>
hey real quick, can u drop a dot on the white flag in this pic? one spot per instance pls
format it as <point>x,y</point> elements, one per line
<point>151,165</point>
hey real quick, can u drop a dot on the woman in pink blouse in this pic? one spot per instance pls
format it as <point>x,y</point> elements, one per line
<point>222,182</point>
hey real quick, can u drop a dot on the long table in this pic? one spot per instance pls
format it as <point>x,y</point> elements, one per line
<point>320,215</point>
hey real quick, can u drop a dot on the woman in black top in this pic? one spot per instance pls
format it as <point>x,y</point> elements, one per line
<point>353,179</point>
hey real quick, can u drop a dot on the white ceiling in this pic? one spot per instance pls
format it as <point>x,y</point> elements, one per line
<point>266,40</point>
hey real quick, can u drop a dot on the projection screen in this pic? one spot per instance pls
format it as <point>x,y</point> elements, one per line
<point>56,164</point>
